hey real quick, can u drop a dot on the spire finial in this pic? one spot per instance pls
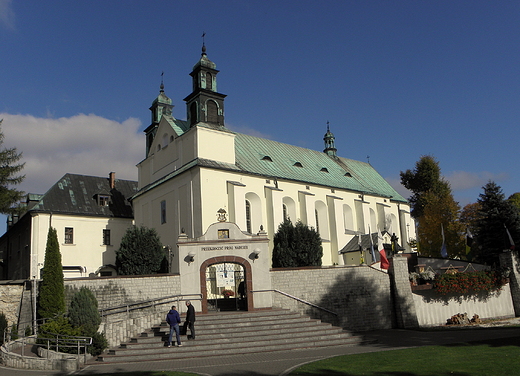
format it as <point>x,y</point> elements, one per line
<point>328,129</point>
<point>162,82</point>
<point>203,43</point>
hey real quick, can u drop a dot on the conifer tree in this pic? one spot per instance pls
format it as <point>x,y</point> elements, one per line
<point>496,215</point>
<point>83,311</point>
<point>52,291</point>
<point>296,245</point>
<point>140,252</point>
<point>9,176</point>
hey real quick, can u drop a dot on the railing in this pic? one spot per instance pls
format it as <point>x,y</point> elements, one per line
<point>50,341</point>
<point>151,303</point>
<point>298,299</point>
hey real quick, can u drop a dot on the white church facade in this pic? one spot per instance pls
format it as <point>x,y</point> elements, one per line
<point>196,167</point>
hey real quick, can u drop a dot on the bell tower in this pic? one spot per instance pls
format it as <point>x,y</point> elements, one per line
<point>329,138</point>
<point>161,106</point>
<point>205,104</point>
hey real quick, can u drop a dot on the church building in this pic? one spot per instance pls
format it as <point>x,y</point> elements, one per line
<point>195,169</point>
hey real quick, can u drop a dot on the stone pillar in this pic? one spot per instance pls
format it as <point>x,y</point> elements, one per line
<point>511,260</point>
<point>404,307</point>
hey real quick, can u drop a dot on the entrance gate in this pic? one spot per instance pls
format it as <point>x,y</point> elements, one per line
<point>225,284</point>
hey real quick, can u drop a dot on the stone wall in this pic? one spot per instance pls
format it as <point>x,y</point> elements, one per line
<point>360,296</point>
<point>121,290</point>
<point>10,298</point>
<point>512,261</point>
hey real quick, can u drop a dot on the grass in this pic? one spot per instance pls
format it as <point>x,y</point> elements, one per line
<point>493,358</point>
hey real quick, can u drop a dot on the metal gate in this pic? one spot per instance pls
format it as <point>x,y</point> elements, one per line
<point>225,286</point>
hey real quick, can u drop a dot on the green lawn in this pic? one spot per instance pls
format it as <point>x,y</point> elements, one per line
<point>494,358</point>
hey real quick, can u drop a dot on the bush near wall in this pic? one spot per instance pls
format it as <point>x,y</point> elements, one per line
<point>469,282</point>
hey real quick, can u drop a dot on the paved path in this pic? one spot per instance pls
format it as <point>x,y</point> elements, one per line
<point>281,362</point>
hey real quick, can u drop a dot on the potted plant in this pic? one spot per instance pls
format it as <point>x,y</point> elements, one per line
<point>413,276</point>
<point>227,293</point>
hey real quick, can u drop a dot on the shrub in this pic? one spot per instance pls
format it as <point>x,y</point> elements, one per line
<point>83,311</point>
<point>468,282</point>
<point>99,344</point>
<point>3,326</point>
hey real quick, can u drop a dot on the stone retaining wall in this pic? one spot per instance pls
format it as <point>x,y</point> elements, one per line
<point>359,295</point>
<point>10,298</point>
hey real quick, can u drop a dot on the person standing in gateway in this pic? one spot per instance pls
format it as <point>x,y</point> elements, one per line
<point>173,319</point>
<point>190,320</point>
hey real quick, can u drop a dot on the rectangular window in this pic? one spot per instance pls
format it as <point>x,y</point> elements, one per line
<point>69,235</point>
<point>163,212</point>
<point>104,200</point>
<point>106,237</point>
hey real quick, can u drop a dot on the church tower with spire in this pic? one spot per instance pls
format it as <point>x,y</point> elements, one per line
<point>330,148</point>
<point>205,105</point>
<point>161,106</point>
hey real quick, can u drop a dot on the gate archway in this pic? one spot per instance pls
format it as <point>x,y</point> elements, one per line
<point>231,270</point>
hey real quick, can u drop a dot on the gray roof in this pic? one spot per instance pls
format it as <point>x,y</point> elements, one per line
<point>78,195</point>
<point>353,244</point>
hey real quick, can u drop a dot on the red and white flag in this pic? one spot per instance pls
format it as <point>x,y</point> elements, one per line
<point>382,253</point>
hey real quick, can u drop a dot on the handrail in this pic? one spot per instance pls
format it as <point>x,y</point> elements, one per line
<point>150,303</point>
<point>298,299</point>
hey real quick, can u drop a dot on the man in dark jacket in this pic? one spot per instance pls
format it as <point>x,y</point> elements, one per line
<point>173,319</point>
<point>190,319</point>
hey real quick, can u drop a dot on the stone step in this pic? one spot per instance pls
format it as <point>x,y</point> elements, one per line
<point>234,333</point>
<point>190,351</point>
<point>244,337</point>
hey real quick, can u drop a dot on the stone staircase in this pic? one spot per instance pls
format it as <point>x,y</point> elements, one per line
<point>232,333</point>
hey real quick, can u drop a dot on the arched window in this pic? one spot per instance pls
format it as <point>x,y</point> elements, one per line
<point>209,81</point>
<point>248,217</point>
<point>212,112</point>
<point>317,221</point>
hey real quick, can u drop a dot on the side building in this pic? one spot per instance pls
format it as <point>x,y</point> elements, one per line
<point>195,167</point>
<point>90,214</point>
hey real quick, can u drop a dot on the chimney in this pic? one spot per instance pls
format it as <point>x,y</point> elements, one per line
<point>112,180</point>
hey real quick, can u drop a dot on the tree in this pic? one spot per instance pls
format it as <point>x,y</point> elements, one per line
<point>296,245</point>
<point>434,208</point>
<point>515,199</point>
<point>496,215</point>
<point>426,177</point>
<point>84,314</point>
<point>83,311</point>
<point>440,214</point>
<point>52,291</point>
<point>140,252</point>
<point>9,176</point>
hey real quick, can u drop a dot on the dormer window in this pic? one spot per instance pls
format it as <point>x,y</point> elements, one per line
<point>324,169</point>
<point>348,174</point>
<point>298,164</point>
<point>103,200</point>
<point>267,158</point>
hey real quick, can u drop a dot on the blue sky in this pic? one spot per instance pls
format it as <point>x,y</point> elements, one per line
<point>395,79</point>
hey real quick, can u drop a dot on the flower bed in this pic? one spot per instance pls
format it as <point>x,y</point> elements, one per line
<point>469,282</point>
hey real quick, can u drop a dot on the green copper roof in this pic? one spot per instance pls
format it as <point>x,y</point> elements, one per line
<point>277,160</point>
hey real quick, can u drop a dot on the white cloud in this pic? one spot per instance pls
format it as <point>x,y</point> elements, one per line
<point>248,131</point>
<point>81,144</point>
<point>7,14</point>
<point>462,180</point>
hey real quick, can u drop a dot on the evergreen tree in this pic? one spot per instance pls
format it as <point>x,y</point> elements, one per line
<point>3,326</point>
<point>83,311</point>
<point>52,291</point>
<point>515,199</point>
<point>296,245</point>
<point>140,252</point>
<point>496,214</point>
<point>84,314</point>
<point>9,176</point>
